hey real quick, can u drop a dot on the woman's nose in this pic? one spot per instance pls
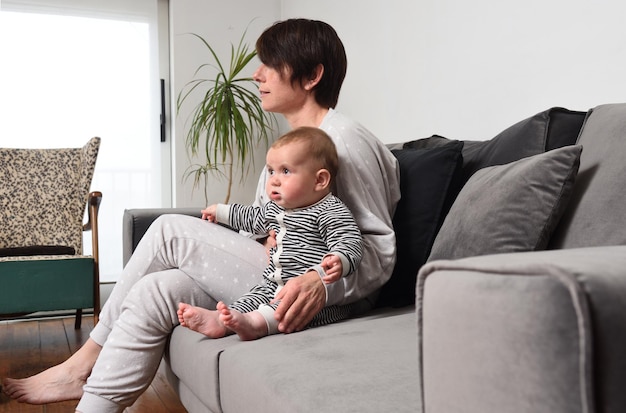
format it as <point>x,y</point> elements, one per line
<point>257,73</point>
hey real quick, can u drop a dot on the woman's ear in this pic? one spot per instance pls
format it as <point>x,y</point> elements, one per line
<point>317,76</point>
<point>322,181</point>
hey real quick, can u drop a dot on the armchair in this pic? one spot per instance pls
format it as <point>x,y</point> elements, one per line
<point>43,196</point>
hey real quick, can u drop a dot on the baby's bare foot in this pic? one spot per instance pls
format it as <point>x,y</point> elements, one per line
<point>248,326</point>
<point>201,320</point>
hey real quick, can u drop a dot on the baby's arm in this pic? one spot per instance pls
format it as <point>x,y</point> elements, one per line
<point>333,268</point>
<point>343,238</point>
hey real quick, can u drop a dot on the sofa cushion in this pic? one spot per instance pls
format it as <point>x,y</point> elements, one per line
<point>508,208</point>
<point>45,283</point>
<point>321,367</point>
<point>36,250</point>
<point>367,364</point>
<point>425,183</point>
<point>596,215</point>
<point>194,359</point>
<point>553,128</point>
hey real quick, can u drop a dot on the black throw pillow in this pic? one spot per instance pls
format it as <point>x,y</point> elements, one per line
<point>427,177</point>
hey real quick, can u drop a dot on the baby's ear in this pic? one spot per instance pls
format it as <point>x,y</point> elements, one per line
<point>323,180</point>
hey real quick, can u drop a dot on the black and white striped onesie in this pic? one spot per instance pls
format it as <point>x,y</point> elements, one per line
<point>303,237</point>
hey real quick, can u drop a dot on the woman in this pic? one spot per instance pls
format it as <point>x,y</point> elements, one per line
<point>183,259</point>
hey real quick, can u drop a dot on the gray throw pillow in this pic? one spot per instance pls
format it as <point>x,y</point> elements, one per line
<point>509,208</point>
<point>551,129</point>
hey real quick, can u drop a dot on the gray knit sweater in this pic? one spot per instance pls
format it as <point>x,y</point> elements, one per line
<point>368,182</point>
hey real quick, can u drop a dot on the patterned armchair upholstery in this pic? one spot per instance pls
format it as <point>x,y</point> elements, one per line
<point>43,195</point>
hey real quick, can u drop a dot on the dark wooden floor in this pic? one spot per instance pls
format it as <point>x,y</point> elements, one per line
<point>28,347</point>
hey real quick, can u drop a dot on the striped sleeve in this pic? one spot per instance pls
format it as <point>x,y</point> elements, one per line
<point>248,218</point>
<point>342,235</point>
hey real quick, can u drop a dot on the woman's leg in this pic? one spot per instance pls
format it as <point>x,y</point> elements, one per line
<point>211,264</point>
<point>133,350</point>
<point>222,264</point>
<point>62,382</point>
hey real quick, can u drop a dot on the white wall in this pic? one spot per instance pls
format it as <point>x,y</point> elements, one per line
<point>468,69</point>
<point>465,70</point>
<point>220,23</point>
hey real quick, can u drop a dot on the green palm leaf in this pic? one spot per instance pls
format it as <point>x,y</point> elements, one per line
<point>229,121</point>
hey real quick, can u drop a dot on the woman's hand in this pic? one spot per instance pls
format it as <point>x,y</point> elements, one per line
<point>300,300</point>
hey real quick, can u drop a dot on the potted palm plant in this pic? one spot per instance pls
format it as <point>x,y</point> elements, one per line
<point>229,121</point>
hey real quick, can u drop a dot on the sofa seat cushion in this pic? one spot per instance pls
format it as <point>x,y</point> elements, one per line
<point>194,358</point>
<point>45,283</point>
<point>363,364</point>
<point>32,250</point>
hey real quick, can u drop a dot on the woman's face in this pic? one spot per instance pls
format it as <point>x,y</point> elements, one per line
<point>278,94</point>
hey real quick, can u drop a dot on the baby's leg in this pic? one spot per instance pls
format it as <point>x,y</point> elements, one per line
<point>207,322</point>
<point>248,326</point>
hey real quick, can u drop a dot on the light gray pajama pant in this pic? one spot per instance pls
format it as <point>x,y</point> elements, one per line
<point>180,259</point>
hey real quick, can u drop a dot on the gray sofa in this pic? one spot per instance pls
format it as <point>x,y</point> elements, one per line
<point>509,294</point>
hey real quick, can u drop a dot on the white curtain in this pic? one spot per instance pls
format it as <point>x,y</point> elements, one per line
<point>74,69</point>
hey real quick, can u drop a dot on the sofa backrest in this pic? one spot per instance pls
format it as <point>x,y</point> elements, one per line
<point>433,171</point>
<point>596,213</point>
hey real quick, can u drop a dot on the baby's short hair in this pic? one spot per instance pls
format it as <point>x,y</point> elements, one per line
<point>319,145</point>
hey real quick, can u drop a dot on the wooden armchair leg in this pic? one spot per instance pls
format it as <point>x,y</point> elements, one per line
<point>79,318</point>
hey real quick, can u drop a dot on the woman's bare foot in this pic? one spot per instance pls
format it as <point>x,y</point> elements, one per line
<point>203,321</point>
<point>248,326</point>
<point>59,383</point>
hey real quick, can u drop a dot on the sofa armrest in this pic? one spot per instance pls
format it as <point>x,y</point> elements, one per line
<point>537,331</point>
<point>136,222</point>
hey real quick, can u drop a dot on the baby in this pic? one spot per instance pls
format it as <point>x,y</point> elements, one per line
<point>314,231</point>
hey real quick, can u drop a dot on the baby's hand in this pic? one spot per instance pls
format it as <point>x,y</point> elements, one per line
<point>332,266</point>
<point>209,213</point>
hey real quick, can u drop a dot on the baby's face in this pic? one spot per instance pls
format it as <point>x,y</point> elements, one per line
<point>292,176</point>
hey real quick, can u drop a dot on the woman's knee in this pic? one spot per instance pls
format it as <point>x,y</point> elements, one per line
<point>158,295</point>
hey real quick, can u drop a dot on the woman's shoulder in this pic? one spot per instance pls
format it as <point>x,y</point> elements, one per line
<point>351,137</point>
<point>342,128</point>
<point>336,122</point>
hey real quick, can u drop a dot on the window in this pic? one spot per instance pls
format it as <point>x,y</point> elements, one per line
<point>71,72</point>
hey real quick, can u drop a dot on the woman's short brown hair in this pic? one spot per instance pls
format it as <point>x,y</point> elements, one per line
<point>301,45</point>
